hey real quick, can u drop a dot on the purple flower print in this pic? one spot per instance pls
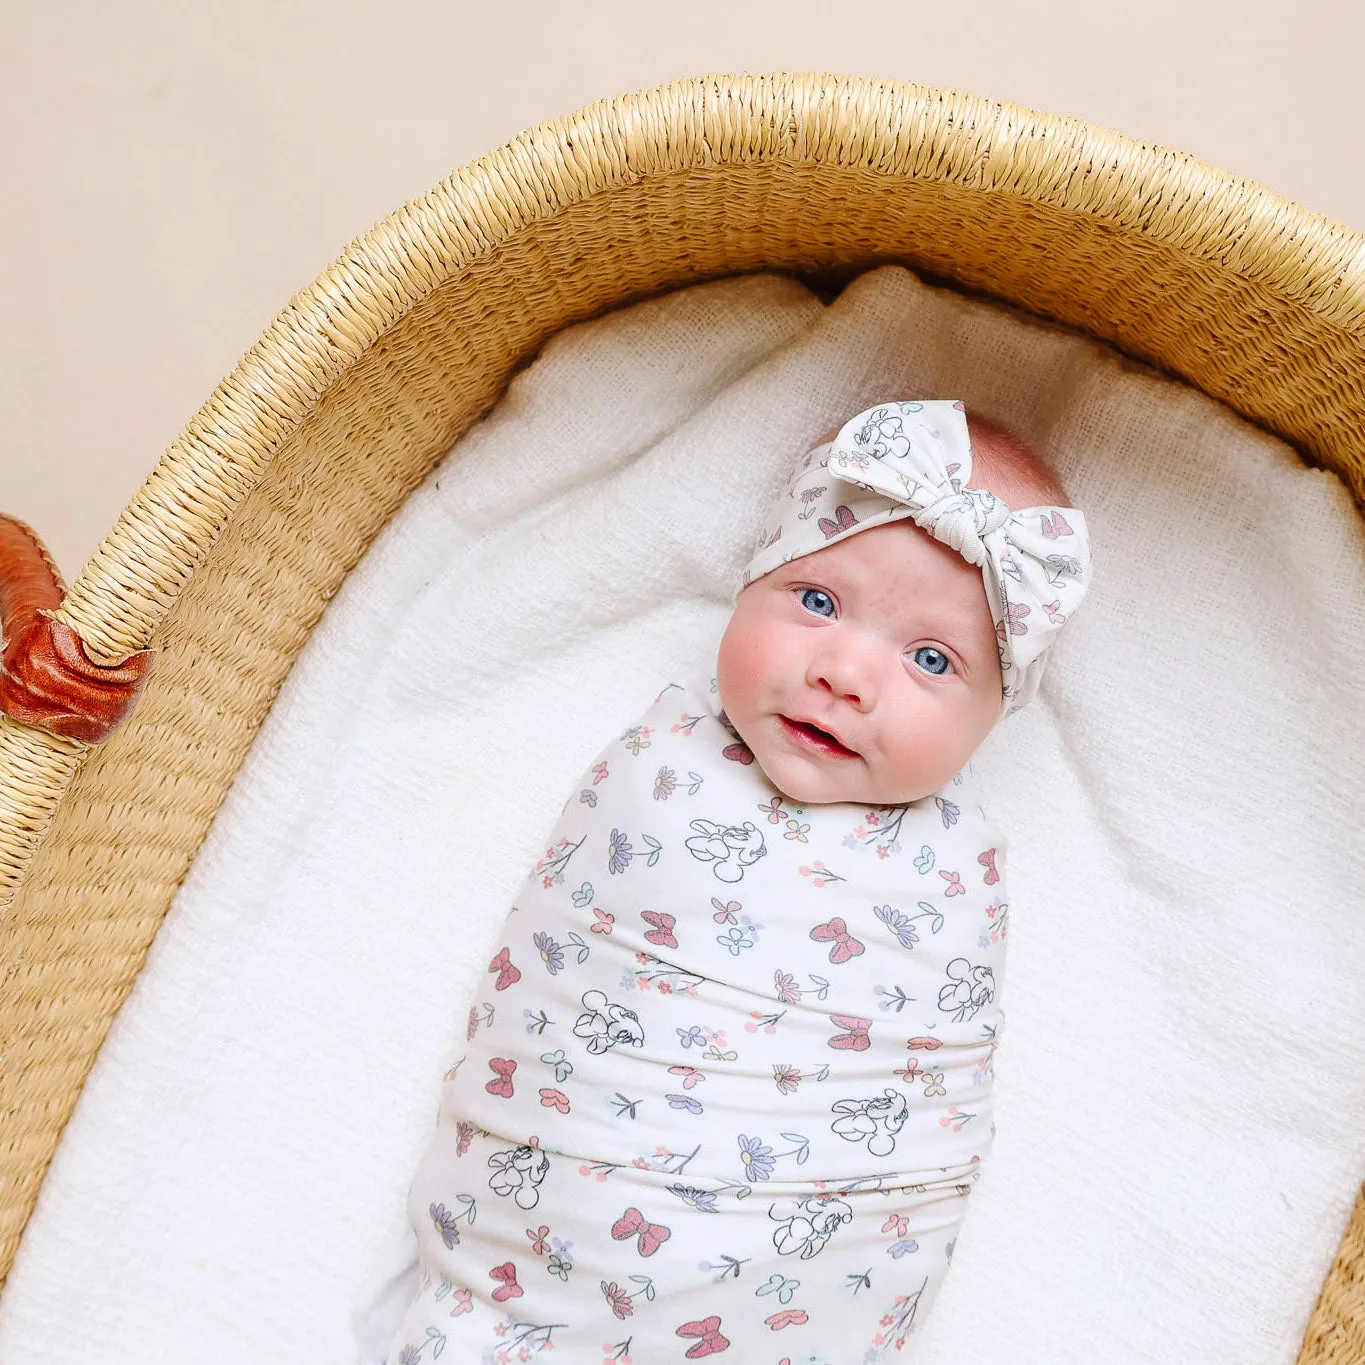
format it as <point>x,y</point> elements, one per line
<point>757,1157</point>
<point>948,812</point>
<point>411,1356</point>
<point>619,852</point>
<point>684,1102</point>
<point>447,1221</point>
<point>702,1200</point>
<point>1059,567</point>
<point>445,1225</point>
<point>551,954</point>
<point>899,925</point>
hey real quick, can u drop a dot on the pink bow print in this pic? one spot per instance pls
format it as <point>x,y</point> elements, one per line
<point>711,1343</point>
<point>842,520</point>
<point>1053,524</point>
<point>508,1288</point>
<point>662,932</point>
<point>507,974</point>
<point>924,1044</point>
<point>855,1039</point>
<point>632,1222</point>
<point>502,1068</point>
<point>845,945</point>
<point>987,860</point>
<point>1013,620</point>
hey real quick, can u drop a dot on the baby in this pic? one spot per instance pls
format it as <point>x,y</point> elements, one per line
<point>730,1085</point>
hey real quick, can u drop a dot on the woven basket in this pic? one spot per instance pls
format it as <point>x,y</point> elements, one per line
<point>227,556</point>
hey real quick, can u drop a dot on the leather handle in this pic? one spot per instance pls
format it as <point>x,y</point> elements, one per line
<point>46,678</point>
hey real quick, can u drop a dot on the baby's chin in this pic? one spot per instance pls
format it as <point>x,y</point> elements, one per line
<point>810,784</point>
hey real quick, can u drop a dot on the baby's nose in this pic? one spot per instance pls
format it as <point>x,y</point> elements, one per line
<point>845,673</point>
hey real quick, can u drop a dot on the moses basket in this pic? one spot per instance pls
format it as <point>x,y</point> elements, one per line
<point>229,553</point>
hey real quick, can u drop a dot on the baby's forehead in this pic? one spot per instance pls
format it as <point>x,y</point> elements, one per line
<point>895,568</point>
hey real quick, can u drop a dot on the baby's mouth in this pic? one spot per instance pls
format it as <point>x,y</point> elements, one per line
<point>813,737</point>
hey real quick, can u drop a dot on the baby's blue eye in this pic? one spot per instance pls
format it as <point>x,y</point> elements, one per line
<point>933,660</point>
<point>818,601</point>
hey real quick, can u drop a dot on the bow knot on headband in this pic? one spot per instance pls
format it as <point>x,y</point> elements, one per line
<point>964,520</point>
<point>913,461</point>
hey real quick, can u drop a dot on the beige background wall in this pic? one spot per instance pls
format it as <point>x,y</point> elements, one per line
<point>173,170</point>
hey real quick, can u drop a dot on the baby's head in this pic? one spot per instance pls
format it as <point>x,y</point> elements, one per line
<point>865,660</point>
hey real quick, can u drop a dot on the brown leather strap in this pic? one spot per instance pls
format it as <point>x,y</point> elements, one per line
<point>45,677</point>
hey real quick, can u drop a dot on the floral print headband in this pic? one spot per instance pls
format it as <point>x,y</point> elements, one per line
<point>913,461</point>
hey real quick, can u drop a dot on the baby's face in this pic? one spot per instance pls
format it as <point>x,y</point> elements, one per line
<point>883,640</point>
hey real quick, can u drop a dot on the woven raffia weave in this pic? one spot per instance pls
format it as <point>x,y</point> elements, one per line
<point>228,554</point>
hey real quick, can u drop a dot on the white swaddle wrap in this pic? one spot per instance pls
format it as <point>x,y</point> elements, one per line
<point>710,1001</point>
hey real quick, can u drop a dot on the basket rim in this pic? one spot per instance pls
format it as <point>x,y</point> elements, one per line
<point>119,599</point>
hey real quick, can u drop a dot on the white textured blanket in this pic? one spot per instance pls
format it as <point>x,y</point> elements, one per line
<point>1181,1085</point>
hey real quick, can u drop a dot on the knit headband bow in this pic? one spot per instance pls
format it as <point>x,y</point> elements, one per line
<point>913,461</point>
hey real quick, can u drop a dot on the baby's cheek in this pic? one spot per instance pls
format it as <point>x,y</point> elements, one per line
<point>925,764</point>
<point>741,666</point>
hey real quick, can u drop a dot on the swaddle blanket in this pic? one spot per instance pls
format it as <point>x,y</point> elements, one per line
<point>681,1081</point>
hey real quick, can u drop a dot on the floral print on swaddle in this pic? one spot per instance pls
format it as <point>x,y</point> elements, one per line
<point>728,1084</point>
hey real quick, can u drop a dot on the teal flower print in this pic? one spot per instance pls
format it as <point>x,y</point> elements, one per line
<point>735,940</point>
